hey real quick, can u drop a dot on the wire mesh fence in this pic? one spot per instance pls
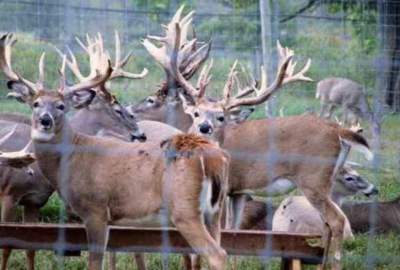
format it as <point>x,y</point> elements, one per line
<point>346,39</point>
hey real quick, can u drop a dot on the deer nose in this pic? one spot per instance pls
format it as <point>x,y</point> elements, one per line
<point>205,128</point>
<point>46,120</point>
<point>372,191</point>
<point>141,137</point>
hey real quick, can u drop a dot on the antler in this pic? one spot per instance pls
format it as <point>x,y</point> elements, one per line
<point>97,54</point>
<point>285,75</point>
<point>191,53</point>
<point>16,159</point>
<point>7,41</point>
<point>118,72</point>
<point>100,67</point>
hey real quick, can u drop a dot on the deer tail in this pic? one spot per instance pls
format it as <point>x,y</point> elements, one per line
<point>356,141</point>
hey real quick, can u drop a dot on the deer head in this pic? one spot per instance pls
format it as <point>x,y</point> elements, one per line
<point>210,117</point>
<point>192,54</point>
<point>50,107</point>
<point>349,182</point>
<point>108,102</point>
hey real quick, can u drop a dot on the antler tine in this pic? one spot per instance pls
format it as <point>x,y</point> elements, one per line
<point>190,90</point>
<point>227,92</point>
<point>118,64</point>
<point>204,78</point>
<point>284,76</point>
<point>191,64</point>
<point>7,41</point>
<point>63,78</point>
<point>40,82</point>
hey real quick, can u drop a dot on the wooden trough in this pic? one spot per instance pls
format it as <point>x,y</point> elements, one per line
<point>293,248</point>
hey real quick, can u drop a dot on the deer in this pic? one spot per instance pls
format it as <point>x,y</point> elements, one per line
<point>30,190</point>
<point>164,104</point>
<point>376,216</point>
<point>311,162</point>
<point>334,92</point>
<point>106,115</point>
<point>258,214</point>
<point>139,170</point>
<point>295,214</point>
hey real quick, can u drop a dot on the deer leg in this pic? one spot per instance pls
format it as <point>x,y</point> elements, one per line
<point>140,261</point>
<point>112,261</point>
<point>96,230</point>
<point>31,214</point>
<point>322,112</point>
<point>7,215</point>
<point>331,109</point>
<point>194,231</point>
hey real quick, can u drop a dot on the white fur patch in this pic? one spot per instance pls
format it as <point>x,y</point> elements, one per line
<point>360,148</point>
<point>280,186</point>
<point>39,135</point>
<point>205,199</point>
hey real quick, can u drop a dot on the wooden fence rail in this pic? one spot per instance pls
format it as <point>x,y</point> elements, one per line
<point>72,238</point>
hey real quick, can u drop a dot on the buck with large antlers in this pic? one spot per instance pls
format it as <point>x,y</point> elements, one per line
<point>303,149</point>
<point>164,104</point>
<point>138,171</point>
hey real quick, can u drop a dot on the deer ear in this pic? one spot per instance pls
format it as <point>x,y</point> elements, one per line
<point>20,92</point>
<point>241,115</point>
<point>80,98</point>
<point>186,104</point>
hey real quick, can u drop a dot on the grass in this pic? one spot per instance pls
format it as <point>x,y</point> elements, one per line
<point>380,251</point>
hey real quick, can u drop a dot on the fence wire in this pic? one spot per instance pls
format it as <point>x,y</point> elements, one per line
<point>352,39</point>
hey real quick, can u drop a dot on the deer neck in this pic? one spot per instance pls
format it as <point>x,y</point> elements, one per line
<point>52,156</point>
<point>338,198</point>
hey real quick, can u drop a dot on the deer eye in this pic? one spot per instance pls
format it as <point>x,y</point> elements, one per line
<point>150,100</point>
<point>35,104</point>
<point>349,178</point>
<point>196,114</point>
<point>61,107</point>
<point>118,111</point>
<point>221,118</point>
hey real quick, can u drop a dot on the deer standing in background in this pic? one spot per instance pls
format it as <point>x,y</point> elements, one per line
<point>137,170</point>
<point>303,149</point>
<point>348,94</point>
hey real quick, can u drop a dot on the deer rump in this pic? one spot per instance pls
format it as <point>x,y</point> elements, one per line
<point>193,157</point>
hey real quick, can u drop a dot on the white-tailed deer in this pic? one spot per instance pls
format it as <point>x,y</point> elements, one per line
<point>164,106</point>
<point>30,190</point>
<point>295,214</point>
<point>348,94</point>
<point>376,216</point>
<point>143,181</point>
<point>306,150</point>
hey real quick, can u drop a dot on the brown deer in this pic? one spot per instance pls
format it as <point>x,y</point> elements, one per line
<point>304,149</point>
<point>30,190</point>
<point>143,182</point>
<point>106,115</point>
<point>380,217</point>
<point>295,214</point>
<point>334,92</point>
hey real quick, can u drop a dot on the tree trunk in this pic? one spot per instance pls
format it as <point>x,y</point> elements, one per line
<point>391,48</point>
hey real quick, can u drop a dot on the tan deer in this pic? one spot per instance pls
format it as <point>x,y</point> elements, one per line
<point>303,149</point>
<point>17,187</point>
<point>106,115</point>
<point>295,214</point>
<point>334,92</point>
<point>163,105</point>
<point>143,182</point>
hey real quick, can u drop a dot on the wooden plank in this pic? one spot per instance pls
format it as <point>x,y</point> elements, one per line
<point>72,237</point>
